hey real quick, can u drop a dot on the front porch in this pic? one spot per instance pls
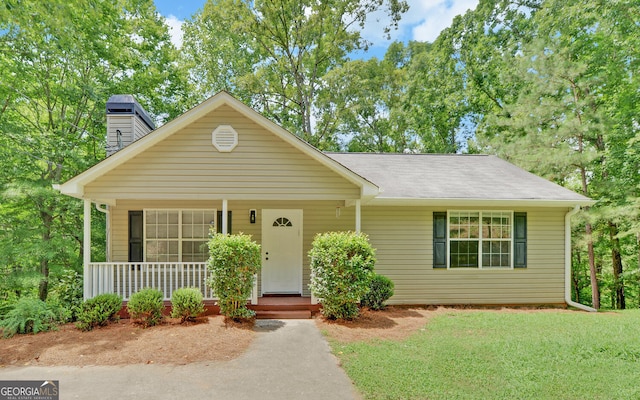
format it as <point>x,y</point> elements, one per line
<point>126,278</point>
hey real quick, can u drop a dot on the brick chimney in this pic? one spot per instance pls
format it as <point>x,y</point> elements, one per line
<point>127,122</point>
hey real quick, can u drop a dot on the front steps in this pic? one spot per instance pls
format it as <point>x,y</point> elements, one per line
<point>284,307</point>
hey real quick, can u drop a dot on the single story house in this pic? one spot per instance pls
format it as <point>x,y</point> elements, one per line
<point>448,229</point>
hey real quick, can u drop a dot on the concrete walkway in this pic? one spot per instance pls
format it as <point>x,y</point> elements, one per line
<point>289,359</point>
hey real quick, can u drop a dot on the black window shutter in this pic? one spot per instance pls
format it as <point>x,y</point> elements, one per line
<point>439,240</point>
<point>520,239</point>
<point>219,222</point>
<point>135,236</point>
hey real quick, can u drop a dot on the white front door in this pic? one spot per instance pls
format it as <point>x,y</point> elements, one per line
<point>282,251</point>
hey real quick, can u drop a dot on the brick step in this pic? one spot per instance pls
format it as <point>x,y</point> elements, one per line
<point>300,314</point>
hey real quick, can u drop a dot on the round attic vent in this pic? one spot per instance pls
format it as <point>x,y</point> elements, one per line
<point>224,138</point>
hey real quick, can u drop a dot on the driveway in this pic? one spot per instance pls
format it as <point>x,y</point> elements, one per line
<point>289,359</point>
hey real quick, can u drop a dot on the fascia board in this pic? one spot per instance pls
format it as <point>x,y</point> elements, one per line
<point>478,202</point>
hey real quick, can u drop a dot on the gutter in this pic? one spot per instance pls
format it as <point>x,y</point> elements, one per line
<point>567,262</point>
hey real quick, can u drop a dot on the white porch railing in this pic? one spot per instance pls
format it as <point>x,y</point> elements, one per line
<point>126,278</point>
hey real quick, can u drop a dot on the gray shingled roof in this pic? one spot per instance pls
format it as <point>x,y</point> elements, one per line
<point>451,176</point>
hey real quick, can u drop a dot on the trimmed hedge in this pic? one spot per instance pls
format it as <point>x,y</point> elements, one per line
<point>341,269</point>
<point>234,261</point>
<point>99,311</point>
<point>186,304</point>
<point>380,290</point>
<point>146,307</point>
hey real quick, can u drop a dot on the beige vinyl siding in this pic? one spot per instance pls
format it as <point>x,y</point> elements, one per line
<point>123,123</point>
<point>402,237</point>
<point>140,129</point>
<point>187,166</point>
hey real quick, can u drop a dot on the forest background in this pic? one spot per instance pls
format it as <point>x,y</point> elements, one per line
<point>552,86</point>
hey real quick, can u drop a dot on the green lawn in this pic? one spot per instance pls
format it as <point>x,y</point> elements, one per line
<point>503,355</point>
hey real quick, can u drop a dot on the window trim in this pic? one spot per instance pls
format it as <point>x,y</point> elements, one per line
<point>480,239</point>
<point>180,239</point>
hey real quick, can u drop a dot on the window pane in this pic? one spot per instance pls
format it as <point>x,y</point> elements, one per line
<point>496,253</point>
<point>464,254</point>
<point>194,251</point>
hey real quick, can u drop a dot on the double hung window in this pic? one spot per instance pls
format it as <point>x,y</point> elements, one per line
<point>480,239</point>
<point>177,235</point>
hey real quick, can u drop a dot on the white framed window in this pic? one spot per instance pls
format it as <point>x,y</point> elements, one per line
<point>480,239</point>
<point>177,235</point>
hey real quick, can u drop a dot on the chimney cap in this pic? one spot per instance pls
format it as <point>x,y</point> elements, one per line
<point>123,104</point>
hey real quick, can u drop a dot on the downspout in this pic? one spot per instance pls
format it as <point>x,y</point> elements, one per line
<point>105,210</point>
<point>567,262</point>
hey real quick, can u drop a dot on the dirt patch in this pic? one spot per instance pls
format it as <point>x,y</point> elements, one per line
<point>208,339</point>
<point>393,323</point>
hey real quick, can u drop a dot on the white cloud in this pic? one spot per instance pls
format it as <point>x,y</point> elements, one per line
<point>436,16</point>
<point>175,30</point>
<point>424,21</point>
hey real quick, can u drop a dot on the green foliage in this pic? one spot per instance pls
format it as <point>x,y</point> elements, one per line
<point>234,261</point>
<point>380,290</point>
<point>68,292</point>
<point>341,269</point>
<point>146,306</point>
<point>28,315</point>
<point>275,55</point>
<point>186,304</point>
<point>470,355</point>
<point>99,311</point>
<point>61,60</point>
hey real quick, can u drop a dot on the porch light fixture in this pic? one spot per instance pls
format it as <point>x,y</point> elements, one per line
<point>252,216</point>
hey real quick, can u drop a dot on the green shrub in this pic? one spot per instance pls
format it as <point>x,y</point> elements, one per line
<point>234,261</point>
<point>67,292</point>
<point>146,306</point>
<point>341,269</point>
<point>99,311</point>
<point>186,304</point>
<point>380,290</point>
<point>28,315</point>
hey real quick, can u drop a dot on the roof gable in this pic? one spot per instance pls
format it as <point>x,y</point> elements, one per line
<point>76,186</point>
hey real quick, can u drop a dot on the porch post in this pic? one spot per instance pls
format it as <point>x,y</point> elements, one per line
<point>358,216</point>
<point>224,216</point>
<point>86,248</point>
<point>254,291</point>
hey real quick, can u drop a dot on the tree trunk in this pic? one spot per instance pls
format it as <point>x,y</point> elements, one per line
<point>43,287</point>
<point>576,279</point>
<point>595,290</point>
<point>616,262</point>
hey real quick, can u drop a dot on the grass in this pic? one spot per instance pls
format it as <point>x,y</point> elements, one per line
<point>503,355</point>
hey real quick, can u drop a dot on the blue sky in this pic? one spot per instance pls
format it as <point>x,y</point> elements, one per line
<point>424,20</point>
